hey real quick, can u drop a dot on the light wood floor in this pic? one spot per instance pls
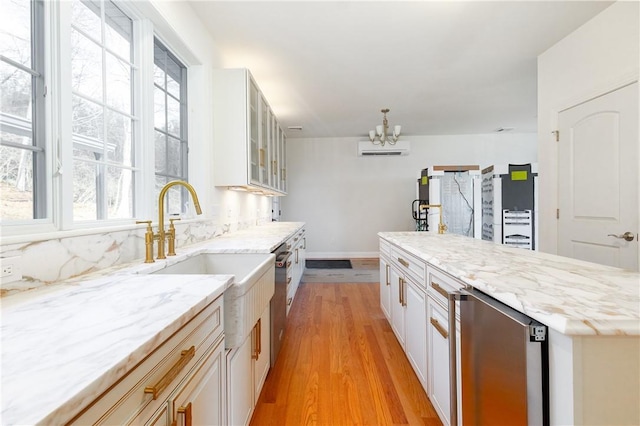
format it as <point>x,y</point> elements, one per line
<point>340,364</point>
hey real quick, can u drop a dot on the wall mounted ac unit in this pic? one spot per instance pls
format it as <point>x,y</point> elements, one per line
<point>366,148</point>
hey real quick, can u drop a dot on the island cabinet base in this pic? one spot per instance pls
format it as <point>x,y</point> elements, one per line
<point>594,380</point>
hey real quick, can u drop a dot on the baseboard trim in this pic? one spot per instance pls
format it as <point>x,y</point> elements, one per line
<point>342,254</point>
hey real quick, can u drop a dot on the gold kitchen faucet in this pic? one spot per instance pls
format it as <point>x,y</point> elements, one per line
<point>161,236</point>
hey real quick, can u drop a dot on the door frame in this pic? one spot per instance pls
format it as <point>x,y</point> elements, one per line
<point>584,96</point>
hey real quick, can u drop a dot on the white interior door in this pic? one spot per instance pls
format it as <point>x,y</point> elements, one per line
<point>598,179</point>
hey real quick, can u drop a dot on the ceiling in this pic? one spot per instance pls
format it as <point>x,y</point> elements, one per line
<point>441,67</point>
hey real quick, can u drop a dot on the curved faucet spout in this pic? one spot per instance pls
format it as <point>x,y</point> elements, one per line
<point>163,192</point>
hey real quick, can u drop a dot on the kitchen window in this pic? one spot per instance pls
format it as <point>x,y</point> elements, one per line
<point>170,124</point>
<point>102,111</point>
<point>22,131</point>
<point>79,136</point>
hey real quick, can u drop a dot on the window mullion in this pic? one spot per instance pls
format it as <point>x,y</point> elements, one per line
<point>40,173</point>
<point>62,112</point>
<point>101,172</point>
<point>145,201</point>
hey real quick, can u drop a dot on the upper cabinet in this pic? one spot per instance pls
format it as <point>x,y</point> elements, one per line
<point>249,144</point>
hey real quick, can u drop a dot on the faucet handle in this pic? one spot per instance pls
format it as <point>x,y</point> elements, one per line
<point>148,241</point>
<point>171,237</point>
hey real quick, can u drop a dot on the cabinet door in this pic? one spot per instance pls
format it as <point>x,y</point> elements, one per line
<point>240,384</point>
<point>283,160</point>
<point>397,305</point>
<point>263,142</point>
<point>385,287</point>
<point>263,351</point>
<point>254,133</point>
<point>416,332</point>
<point>438,330</point>
<point>200,399</point>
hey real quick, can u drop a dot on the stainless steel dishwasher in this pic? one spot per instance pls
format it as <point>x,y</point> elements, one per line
<point>279,301</point>
<point>504,363</point>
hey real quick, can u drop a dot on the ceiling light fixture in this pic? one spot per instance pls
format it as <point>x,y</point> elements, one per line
<point>380,136</point>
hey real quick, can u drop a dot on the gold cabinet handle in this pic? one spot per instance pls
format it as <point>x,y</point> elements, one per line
<point>404,262</point>
<point>289,280</point>
<point>297,256</point>
<point>254,342</point>
<point>443,332</point>
<point>259,336</point>
<point>261,157</point>
<point>289,300</point>
<point>387,268</point>
<point>185,357</point>
<point>400,285</point>
<point>439,289</point>
<point>288,263</point>
<point>404,290</point>
<point>186,411</point>
<point>275,168</point>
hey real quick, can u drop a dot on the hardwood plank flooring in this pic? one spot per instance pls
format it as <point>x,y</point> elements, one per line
<point>340,364</point>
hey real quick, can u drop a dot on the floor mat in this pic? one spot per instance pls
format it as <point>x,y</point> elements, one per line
<point>328,264</point>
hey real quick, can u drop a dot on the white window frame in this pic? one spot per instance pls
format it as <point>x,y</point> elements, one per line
<point>147,24</point>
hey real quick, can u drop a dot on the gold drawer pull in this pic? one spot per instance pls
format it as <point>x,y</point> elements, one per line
<point>440,328</point>
<point>289,301</point>
<point>387,268</point>
<point>439,289</point>
<point>289,280</point>
<point>404,262</point>
<point>185,357</point>
<point>188,419</point>
<point>288,264</point>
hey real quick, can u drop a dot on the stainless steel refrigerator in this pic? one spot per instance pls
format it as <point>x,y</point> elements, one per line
<point>504,364</point>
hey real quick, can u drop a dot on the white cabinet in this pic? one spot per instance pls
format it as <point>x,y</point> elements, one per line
<point>408,308</point>
<point>247,137</point>
<point>240,383</point>
<point>416,329</point>
<point>186,367</point>
<point>439,360</point>
<point>247,368</point>
<point>397,304</point>
<point>262,353</point>
<point>439,333</point>
<point>200,400</point>
<point>297,245</point>
<point>385,286</point>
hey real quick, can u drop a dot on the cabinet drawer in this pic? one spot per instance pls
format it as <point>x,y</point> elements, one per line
<point>441,283</point>
<point>385,248</point>
<point>162,370</point>
<point>409,265</point>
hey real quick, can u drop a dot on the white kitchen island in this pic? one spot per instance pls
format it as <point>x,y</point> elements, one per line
<point>592,311</point>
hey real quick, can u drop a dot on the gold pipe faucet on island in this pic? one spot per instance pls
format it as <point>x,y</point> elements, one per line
<point>161,236</point>
<point>441,226</point>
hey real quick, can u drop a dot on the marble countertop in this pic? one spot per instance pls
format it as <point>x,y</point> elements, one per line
<point>570,296</point>
<point>63,347</point>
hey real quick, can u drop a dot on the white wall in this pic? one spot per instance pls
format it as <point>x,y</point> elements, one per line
<point>346,200</point>
<point>598,57</point>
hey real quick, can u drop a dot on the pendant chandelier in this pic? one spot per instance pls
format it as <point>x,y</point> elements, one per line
<point>381,135</point>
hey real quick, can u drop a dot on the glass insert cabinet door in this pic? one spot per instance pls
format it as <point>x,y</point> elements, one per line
<point>254,144</point>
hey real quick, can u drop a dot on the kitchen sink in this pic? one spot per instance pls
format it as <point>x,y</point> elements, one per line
<point>247,297</point>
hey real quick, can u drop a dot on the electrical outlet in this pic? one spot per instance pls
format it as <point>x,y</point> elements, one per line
<point>11,269</point>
